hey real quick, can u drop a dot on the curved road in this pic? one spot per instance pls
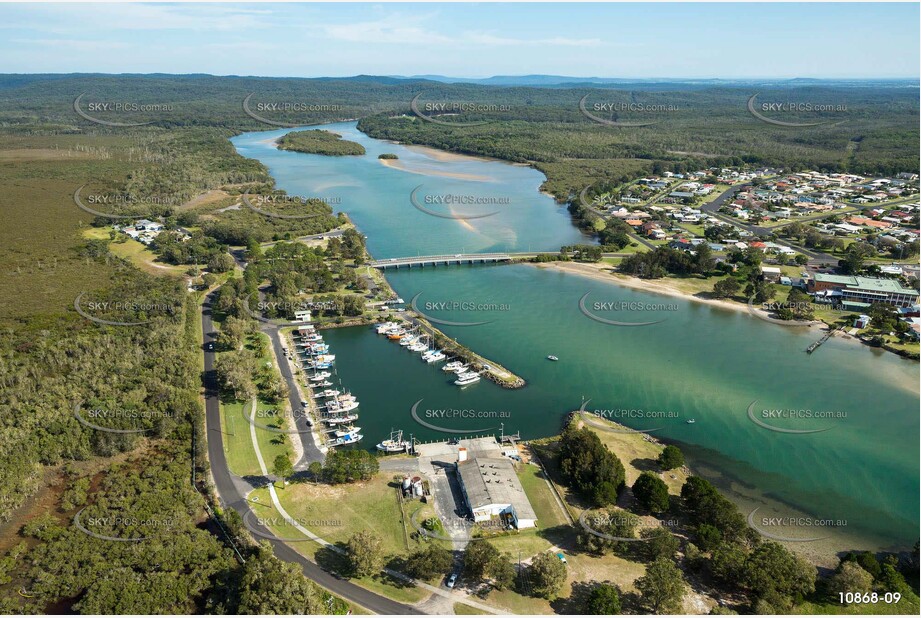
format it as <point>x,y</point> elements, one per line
<point>231,496</point>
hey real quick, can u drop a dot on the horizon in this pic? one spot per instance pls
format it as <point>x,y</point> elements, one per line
<point>464,41</point>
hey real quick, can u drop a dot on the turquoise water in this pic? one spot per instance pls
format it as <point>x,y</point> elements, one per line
<point>697,362</point>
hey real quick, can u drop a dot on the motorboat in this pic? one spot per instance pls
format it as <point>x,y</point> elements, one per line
<point>326,393</point>
<point>338,406</point>
<point>467,378</point>
<point>341,419</point>
<point>452,366</point>
<point>552,358</point>
<point>320,377</point>
<point>435,356</point>
<point>349,438</point>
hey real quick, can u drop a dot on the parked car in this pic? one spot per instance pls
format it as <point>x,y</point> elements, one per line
<point>561,557</point>
<point>452,580</point>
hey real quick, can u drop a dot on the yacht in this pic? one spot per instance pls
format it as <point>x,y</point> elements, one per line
<point>466,378</point>
<point>320,377</point>
<point>435,356</point>
<point>552,357</point>
<point>396,443</point>
<point>462,369</point>
<point>452,366</point>
<point>383,329</point>
<point>408,340</point>
<point>397,334</point>
<point>690,421</point>
<point>326,393</point>
<point>419,346</point>
<point>340,433</point>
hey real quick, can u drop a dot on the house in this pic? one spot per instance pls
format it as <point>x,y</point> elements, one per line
<point>301,316</point>
<point>771,273</point>
<point>681,194</point>
<point>882,225</point>
<point>491,489</point>
<point>656,234</point>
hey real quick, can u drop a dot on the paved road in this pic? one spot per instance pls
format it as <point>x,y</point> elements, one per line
<point>231,496</point>
<point>311,452</point>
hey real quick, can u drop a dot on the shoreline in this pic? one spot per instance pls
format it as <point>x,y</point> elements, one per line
<point>604,272</point>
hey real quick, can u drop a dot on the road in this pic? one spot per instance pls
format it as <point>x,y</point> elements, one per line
<point>230,493</point>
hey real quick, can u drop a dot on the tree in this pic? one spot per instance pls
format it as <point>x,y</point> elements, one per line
<point>282,467</point>
<point>546,574</point>
<point>651,492</point>
<point>429,561</point>
<point>773,568</point>
<point>604,600</point>
<point>662,587</point>
<point>671,457</point>
<point>849,578</point>
<point>590,467</point>
<point>659,543</point>
<point>479,557</point>
<point>315,469</point>
<point>269,586</point>
<point>364,553</point>
<point>221,263</point>
<point>726,288</point>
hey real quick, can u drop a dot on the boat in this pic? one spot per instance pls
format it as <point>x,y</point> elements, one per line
<point>337,406</point>
<point>396,443</point>
<point>339,433</point>
<point>326,393</point>
<point>325,384</point>
<point>690,421</point>
<point>383,329</point>
<point>341,419</point>
<point>435,356</point>
<point>418,347</point>
<point>467,378</point>
<point>397,334</point>
<point>349,438</point>
<point>462,369</point>
<point>320,376</point>
<point>408,340</point>
<point>552,357</point>
<point>452,366</point>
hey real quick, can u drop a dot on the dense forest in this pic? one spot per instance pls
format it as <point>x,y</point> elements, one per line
<point>320,142</point>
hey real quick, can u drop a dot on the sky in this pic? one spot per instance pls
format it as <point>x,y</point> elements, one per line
<point>724,40</point>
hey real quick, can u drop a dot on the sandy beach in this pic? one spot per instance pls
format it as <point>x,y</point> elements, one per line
<point>401,165</point>
<point>444,155</point>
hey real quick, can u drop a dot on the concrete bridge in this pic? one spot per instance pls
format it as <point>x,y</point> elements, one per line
<point>435,260</point>
<point>466,258</point>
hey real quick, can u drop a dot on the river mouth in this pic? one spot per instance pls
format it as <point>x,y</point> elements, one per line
<point>695,361</point>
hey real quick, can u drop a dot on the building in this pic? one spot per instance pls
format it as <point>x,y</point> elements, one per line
<point>858,292</point>
<point>491,489</point>
<point>771,273</point>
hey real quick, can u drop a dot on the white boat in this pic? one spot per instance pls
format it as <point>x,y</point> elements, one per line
<point>552,357</point>
<point>466,378</point>
<point>462,369</point>
<point>326,393</point>
<point>341,420</point>
<point>320,377</point>
<point>418,347</point>
<point>382,329</point>
<point>408,340</point>
<point>325,384</point>
<point>337,406</point>
<point>349,438</point>
<point>339,433</point>
<point>436,356</point>
<point>396,443</point>
<point>690,421</point>
<point>452,366</point>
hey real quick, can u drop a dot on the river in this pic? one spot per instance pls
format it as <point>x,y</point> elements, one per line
<point>696,362</point>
